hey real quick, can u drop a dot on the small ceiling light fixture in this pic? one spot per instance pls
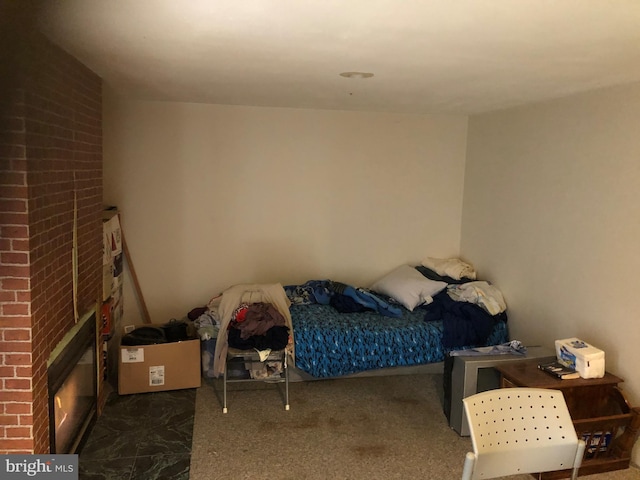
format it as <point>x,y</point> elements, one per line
<point>356,75</point>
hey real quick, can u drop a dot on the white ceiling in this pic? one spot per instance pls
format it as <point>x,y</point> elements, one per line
<point>427,56</point>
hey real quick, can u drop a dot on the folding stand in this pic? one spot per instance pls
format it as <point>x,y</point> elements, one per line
<point>235,356</point>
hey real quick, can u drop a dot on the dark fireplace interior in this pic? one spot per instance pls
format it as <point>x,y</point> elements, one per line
<point>72,383</point>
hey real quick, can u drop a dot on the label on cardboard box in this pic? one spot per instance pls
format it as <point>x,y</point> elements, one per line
<point>156,376</point>
<point>132,355</point>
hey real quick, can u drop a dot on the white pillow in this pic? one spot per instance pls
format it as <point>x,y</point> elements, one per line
<point>408,286</point>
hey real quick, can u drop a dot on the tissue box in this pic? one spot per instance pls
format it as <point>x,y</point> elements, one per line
<point>586,359</point>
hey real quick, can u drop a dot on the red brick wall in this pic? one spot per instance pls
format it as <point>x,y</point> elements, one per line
<point>50,151</point>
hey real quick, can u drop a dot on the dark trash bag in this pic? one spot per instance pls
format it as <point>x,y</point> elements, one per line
<point>175,330</point>
<point>145,335</point>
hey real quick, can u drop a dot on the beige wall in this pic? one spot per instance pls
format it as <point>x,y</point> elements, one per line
<point>216,195</point>
<point>552,215</point>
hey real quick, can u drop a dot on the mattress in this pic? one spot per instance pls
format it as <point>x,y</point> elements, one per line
<point>332,344</point>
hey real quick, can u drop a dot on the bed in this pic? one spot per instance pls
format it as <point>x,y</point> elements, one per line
<point>332,343</point>
<point>409,318</point>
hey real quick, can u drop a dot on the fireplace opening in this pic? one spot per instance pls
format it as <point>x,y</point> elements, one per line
<point>72,383</point>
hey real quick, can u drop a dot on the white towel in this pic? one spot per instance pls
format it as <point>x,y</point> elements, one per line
<point>481,293</point>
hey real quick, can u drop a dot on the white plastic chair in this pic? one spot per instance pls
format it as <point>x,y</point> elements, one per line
<point>518,431</point>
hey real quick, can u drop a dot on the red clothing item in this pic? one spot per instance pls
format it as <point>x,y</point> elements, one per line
<point>240,313</point>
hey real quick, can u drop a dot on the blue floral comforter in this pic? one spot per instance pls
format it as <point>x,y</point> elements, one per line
<point>332,344</point>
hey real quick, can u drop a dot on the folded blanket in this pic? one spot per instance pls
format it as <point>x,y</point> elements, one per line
<point>452,267</point>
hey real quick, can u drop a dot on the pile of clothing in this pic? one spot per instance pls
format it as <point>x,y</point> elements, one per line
<point>248,317</point>
<point>343,297</point>
<point>468,308</point>
<point>257,325</point>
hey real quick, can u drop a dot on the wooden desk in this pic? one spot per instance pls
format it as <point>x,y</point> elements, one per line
<point>601,415</point>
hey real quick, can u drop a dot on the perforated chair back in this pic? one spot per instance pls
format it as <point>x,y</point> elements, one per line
<point>518,431</point>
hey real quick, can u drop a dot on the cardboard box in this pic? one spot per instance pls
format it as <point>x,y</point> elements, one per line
<point>586,359</point>
<point>156,368</point>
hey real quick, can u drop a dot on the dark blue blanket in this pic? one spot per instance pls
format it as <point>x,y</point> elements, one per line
<point>463,323</point>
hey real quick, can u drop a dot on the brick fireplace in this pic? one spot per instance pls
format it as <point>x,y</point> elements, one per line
<point>51,181</point>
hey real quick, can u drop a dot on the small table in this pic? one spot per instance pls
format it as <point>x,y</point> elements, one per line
<point>600,412</point>
<point>585,398</point>
<point>464,379</point>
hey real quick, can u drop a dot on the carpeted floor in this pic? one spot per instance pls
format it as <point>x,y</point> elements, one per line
<point>361,428</point>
